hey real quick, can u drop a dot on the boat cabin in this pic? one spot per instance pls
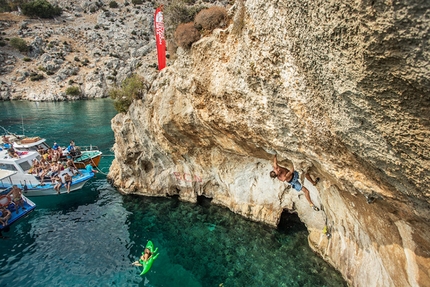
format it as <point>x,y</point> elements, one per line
<point>21,166</point>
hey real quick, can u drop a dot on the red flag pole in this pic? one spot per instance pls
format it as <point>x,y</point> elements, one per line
<point>159,37</point>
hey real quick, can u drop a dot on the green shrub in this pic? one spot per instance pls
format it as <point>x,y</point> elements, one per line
<point>131,89</point>
<point>36,77</point>
<point>19,44</point>
<point>186,35</point>
<point>211,18</point>
<point>40,8</point>
<point>26,59</point>
<point>73,91</point>
<point>2,43</point>
<point>137,2</point>
<point>113,4</point>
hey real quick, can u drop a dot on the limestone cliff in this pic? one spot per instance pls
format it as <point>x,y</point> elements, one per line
<point>339,90</point>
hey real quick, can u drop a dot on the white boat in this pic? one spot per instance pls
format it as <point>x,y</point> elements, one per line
<point>15,213</point>
<point>30,183</point>
<point>84,154</point>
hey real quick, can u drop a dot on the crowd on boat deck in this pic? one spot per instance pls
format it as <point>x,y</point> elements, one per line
<point>50,165</point>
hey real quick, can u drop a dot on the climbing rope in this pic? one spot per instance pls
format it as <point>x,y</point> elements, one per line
<point>98,169</point>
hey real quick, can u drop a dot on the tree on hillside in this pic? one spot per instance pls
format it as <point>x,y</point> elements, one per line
<point>131,89</point>
<point>40,8</point>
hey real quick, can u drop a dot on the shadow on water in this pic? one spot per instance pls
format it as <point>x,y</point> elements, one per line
<point>67,202</point>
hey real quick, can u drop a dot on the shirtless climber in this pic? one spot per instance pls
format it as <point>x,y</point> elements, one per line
<point>292,177</point>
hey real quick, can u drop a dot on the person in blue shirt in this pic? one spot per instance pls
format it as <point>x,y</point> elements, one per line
<point>89,168</point>
<point>55,146</point>
<point>71,148</point>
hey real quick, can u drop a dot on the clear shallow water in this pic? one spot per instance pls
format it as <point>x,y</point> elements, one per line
<point>90,237</point>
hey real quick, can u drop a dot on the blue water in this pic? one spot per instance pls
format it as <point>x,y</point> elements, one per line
<point>91,237</point>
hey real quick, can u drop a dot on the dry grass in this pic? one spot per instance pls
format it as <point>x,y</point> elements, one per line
<point>211,18</point>
<point>186,35</point>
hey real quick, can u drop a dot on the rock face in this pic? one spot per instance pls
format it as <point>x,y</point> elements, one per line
<point>339,90</point>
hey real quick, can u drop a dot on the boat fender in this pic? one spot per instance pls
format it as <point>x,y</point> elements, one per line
<point>4,200</point>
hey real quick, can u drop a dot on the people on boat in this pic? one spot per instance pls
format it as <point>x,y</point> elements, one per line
<point>40,150</point>
<point>35,167</point>
<point>72,167</point>
<point>5,139</point>
<point>58,183</point>
<point>5,215</point>
<point>67,181</point>
<point>57,152</point>
<point>90,168</point>
<point>44,171</point>
<point>16,196</point>
<point>71,149</point>
<point>57,167</point>
<point>144,258</point>
<point>52,155</point>
<point>6,143</point>
<point>12,153</point>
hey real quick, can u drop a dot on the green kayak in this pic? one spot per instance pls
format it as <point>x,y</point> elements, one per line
<point>146,265</point>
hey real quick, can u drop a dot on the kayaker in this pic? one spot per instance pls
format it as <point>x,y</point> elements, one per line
<point>144,258</point>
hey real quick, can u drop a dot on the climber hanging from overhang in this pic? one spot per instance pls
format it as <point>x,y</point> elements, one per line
<point>292,177</point>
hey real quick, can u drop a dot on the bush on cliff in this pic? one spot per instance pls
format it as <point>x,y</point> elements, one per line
<point>131,89</point>
<point>113,4</point>
<point>40,8</point>
<point>186,35</point>
<point>73,91</point>
<point>211,18</point>
<point>19,44</point>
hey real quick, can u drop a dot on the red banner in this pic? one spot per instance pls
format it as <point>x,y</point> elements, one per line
<point>159,38</point>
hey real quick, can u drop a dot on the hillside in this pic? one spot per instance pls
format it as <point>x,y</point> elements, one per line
<point>92,47</point>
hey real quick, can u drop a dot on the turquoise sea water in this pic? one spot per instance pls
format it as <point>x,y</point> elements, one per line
<point>91,237</point>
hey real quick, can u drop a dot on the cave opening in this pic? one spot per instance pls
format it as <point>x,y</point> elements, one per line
<point>290,222</point>
<point>203,200</point>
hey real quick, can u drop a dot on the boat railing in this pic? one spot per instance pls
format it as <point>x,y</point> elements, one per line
<point>5,191</point>
<point>88,148</point>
